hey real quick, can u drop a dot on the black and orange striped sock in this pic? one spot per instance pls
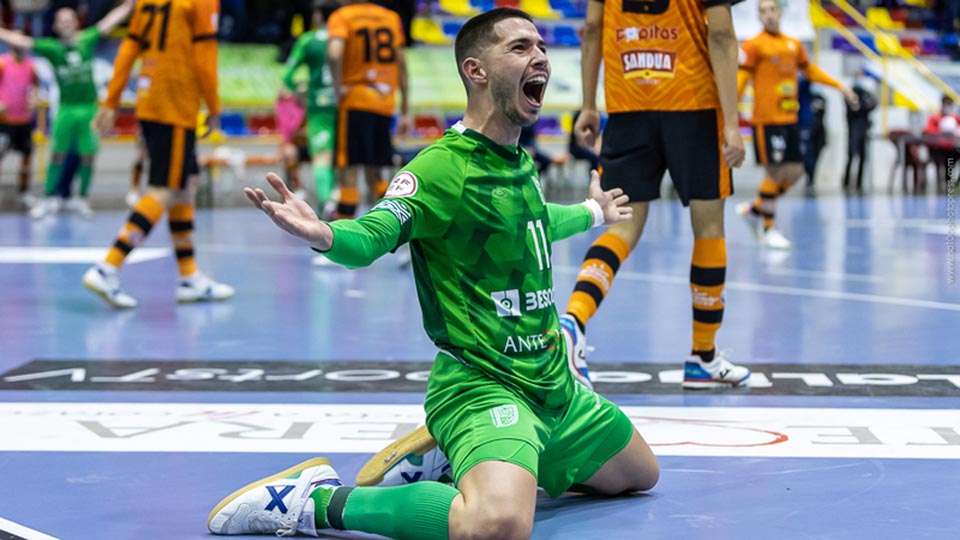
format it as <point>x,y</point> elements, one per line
<point>349,199</point>
<point>783,186</point>
<point>181,230</point>
<point>765,202</point>
<point>381,189</point>
<point>708,272</point>
<point>142,218</point>
<point>600,265</point>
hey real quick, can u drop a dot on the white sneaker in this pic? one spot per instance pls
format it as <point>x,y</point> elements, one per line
<point>132,198</point>
<point>745,210</point>
<point>46,207</point>
<point>278,505</point>
<point>28,201</point>
<point>773,239</point>
<point>719,373</point>
<point>105,283</point>
<point>576,349</point>
<point>413,458</point>
<point>79,206</point>
<point>200,288</point>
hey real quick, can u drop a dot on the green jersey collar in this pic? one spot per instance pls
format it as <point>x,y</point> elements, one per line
<point>510,153</point>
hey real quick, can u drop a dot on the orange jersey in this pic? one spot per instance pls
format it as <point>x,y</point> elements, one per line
<point>373,37</point>
<point>176,40</point>
<point>656,57</point>
<point>774,60</point>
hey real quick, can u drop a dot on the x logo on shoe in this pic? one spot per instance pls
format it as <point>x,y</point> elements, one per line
<point>277,498</point>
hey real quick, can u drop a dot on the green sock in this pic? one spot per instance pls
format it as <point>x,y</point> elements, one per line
<point>419,511</point>
<point>53,178</point>
<point>323,180</point>
<point>85,171</point>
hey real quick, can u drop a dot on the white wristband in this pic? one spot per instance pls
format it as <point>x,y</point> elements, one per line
<point>597,212</point>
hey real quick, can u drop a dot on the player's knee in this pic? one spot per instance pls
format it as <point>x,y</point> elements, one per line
<point>501,523</point>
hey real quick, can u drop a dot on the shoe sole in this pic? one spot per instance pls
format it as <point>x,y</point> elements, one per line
<point>418,442</point>
<point>706,385</point>
<point>315,462</point>
<point>201,300</point>
<point>106,298</point>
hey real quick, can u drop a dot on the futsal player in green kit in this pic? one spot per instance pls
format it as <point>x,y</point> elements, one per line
<point>501,400</point>
<point>311,50</point>
<point>71,55</point>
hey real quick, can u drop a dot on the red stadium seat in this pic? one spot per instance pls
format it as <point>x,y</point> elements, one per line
<point>126,123</point>
<point>262,124</point>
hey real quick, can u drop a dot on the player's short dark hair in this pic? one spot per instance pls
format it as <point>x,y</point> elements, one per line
<point>477,34</point>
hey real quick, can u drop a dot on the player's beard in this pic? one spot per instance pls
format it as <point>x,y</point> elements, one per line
<point>505,99</point>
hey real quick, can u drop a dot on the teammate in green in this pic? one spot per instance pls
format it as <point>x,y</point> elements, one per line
<point>501,400</point>
<point>72,58</point>
<point>311,50</point>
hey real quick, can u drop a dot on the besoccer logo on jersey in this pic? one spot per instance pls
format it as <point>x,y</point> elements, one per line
<point>504,415</point>
<point>507,302</point>
<point>403,184</point>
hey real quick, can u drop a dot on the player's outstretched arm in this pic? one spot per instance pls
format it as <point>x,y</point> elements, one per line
<point>114,17</point>
<point>292,214</point>
<point>16,39</point>
<point>600,208</point>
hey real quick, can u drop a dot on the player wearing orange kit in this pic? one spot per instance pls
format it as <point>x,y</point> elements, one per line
<point>177,43</point>
<point>773,61</point>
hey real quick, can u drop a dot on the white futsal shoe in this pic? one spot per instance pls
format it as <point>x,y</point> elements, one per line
<point>105,283</point>
<point>720,373</point>
<point>279,505</point>
<point>412,458</point>
<point>576,350</point>
<point>200,288</point>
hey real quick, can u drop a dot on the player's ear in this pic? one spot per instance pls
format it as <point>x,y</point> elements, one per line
<point>474,71</point>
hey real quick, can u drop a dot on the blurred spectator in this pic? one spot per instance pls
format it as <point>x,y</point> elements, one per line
<point>813,134</point>
<point>528,141</point>
<point>858,130</point>
<point>29,13</point>
<point>941,136</point>
<point>578,151</point>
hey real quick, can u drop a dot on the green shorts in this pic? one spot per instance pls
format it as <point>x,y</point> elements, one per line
<point>474,419</point>
<point>321,130</point>
<point>72,127</point>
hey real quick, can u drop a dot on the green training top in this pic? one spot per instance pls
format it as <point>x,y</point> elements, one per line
<point>480,233</point>
<point>73,66</point>
<point>311,50</point>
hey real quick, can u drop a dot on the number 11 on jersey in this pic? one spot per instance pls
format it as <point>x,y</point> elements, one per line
<point>539,239</point>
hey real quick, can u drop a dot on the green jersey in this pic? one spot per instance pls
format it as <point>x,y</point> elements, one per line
<point>311,50</point>
<point>72,65</point>
<point>480,233</point>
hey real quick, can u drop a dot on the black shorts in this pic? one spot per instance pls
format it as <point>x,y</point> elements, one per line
<point>17,137</point>
<point>638,147</point>
<point>363,138</point>
<point>776,144</point>
<point>172,151</point>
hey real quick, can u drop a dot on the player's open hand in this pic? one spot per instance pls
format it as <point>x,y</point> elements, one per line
<point>292,213</point>
<point>105,119</point>
<point>587,128</point>
<point>733,150</point>
<point>613,202</point>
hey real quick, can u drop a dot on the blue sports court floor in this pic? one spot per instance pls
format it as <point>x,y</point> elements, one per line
<point>133,425</point>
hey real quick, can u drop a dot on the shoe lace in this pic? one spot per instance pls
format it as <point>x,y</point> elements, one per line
<point>270,524</point>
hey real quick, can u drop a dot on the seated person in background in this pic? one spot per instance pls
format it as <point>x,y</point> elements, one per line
<point>941,133</point>
<point>577,151</point>
<point>528,140</point>
<point>291,125</point>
